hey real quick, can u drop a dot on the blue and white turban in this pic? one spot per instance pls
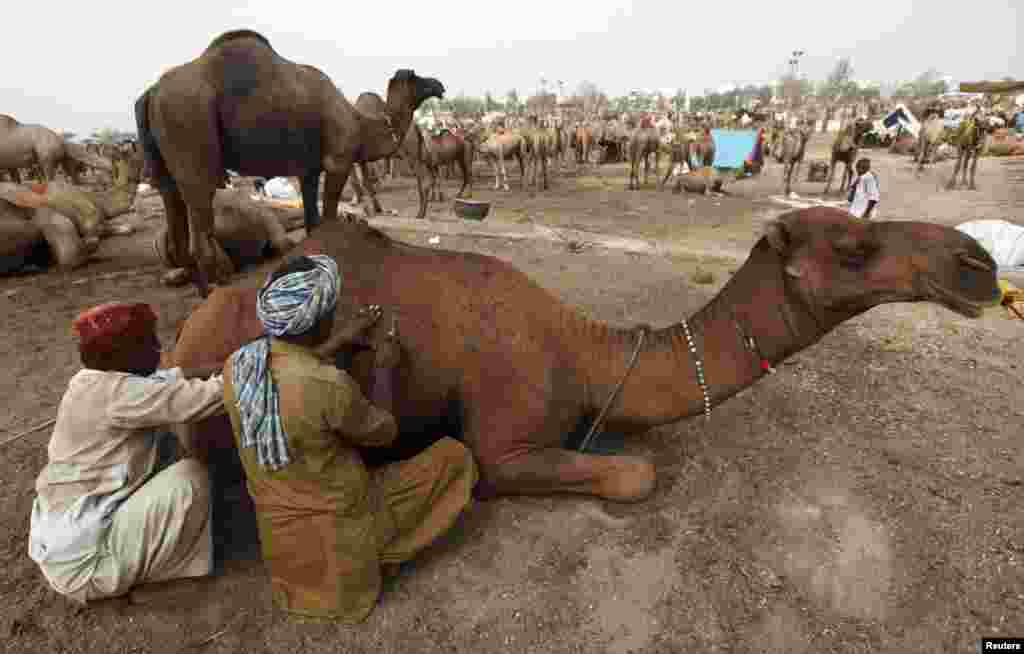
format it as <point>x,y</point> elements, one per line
<point>287,306</point>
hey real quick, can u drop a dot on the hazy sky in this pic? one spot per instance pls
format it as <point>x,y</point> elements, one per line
<point>83,68</point>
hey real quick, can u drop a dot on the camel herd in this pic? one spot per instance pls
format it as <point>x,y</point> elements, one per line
<point>238,119</point>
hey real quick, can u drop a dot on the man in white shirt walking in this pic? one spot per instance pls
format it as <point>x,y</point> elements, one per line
<point>864,194</point>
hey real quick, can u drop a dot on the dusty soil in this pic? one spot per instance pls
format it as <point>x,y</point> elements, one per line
<point>865,499</point>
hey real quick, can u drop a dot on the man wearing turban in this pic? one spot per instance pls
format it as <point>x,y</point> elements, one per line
<point>112,508</point>
<point>327,524</point>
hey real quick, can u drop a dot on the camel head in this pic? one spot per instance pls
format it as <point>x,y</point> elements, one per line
<point>407,89</point>
<point>839,266</point>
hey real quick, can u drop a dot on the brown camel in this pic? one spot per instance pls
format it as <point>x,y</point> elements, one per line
<point>792,148</point>
<point>243,107</point>
<point>698,154</point>
<point>930,136</point>
<point>89,210</point>
<point>538,143</point>
<point>584,140</point>
<point>969,139</point>
<point>844,150</point>
<point>44,150</point>
<point>498,361</point>
<point>500,146</point>
<point>643,143</point>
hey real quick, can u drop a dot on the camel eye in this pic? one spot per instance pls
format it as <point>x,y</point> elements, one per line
<point>853,259</point>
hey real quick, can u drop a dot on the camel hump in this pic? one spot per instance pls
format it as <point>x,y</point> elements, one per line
<point>234,35</point>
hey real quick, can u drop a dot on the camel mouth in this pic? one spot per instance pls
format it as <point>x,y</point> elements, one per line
<point>957,303</point>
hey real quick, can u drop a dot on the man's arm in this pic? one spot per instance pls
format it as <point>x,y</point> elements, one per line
<point>140,402</point>
<point>355,418</point>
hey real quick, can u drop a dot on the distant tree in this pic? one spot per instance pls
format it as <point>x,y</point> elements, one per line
<point>109,135</point>
<point>839,82</point>
<point>463,105</point>
<point>490,104</point>
<point>512,101</point>
<point>679,100</point>
<point>698,103</point>
<point>927,84</point>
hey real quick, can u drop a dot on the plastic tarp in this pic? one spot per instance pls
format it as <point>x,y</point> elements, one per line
<point>902,116</point>
<point>1002,239</point>
<point>280,188</point>
<point>733,146</point>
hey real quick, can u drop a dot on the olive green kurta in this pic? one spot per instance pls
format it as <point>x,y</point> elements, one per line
<point>325,522</point>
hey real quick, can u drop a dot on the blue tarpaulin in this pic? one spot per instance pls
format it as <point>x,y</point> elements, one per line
<point>733,146</point>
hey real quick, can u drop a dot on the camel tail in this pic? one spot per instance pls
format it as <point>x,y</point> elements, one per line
<point>154,161</point>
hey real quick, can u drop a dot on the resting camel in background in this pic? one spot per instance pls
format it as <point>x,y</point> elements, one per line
<point>499,362</point>
<point>228,109</point>
<point>844,150</point>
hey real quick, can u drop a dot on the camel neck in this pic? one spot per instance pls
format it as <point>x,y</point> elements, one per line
<point>738,337</point>
<point>384,131</point>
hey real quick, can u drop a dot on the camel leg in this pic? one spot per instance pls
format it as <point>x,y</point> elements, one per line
<point>831,175</point>
<point>974,169</point>
<point>956,170</point>
<point>419,170</point>
<point>466,167</point>
<point>557,470</point>
<point>361,180</point>
<point>334,184</point>
<point>544,170</point>
<point>309,185</point>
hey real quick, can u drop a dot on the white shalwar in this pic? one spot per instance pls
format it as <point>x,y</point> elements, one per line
<point>865,189</point>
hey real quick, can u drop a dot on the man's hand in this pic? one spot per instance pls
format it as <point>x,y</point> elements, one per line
<point>351,333</point>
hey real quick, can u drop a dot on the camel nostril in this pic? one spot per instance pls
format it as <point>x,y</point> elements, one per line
<point>974,262</point>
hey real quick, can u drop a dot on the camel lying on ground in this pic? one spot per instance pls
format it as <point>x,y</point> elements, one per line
<point>248,232</point>
<point>496,360</point>
<point>70,220</point>
<point>243,107</point>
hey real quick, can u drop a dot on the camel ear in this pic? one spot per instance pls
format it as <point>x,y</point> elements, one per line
<point>778,236</point>
<point>404,75</point>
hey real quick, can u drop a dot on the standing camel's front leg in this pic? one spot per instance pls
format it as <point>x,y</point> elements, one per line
<point>309,184</point>
<point>956,169</point>
<point>364,187</point>
<point>338,171</point>
<point>466,167</point>
<point>975,151</point>
<point>831,173</point>
<point>202,246</point>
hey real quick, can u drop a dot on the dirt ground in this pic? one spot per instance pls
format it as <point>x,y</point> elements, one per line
<point>864,499</point>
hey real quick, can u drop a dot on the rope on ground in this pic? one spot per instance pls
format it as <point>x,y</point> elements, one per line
<point>30,430</point>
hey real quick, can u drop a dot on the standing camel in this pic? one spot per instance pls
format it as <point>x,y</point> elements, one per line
<point>538,141</point>
<point>794,143</point>
<point>932,130</point>
<point>502,145</point>
<point>41,148</point>
<point>969,139</point>
<point>242,106</point>
<point>584,138</point>
<point>643,143</point>
<point>844,149</point>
